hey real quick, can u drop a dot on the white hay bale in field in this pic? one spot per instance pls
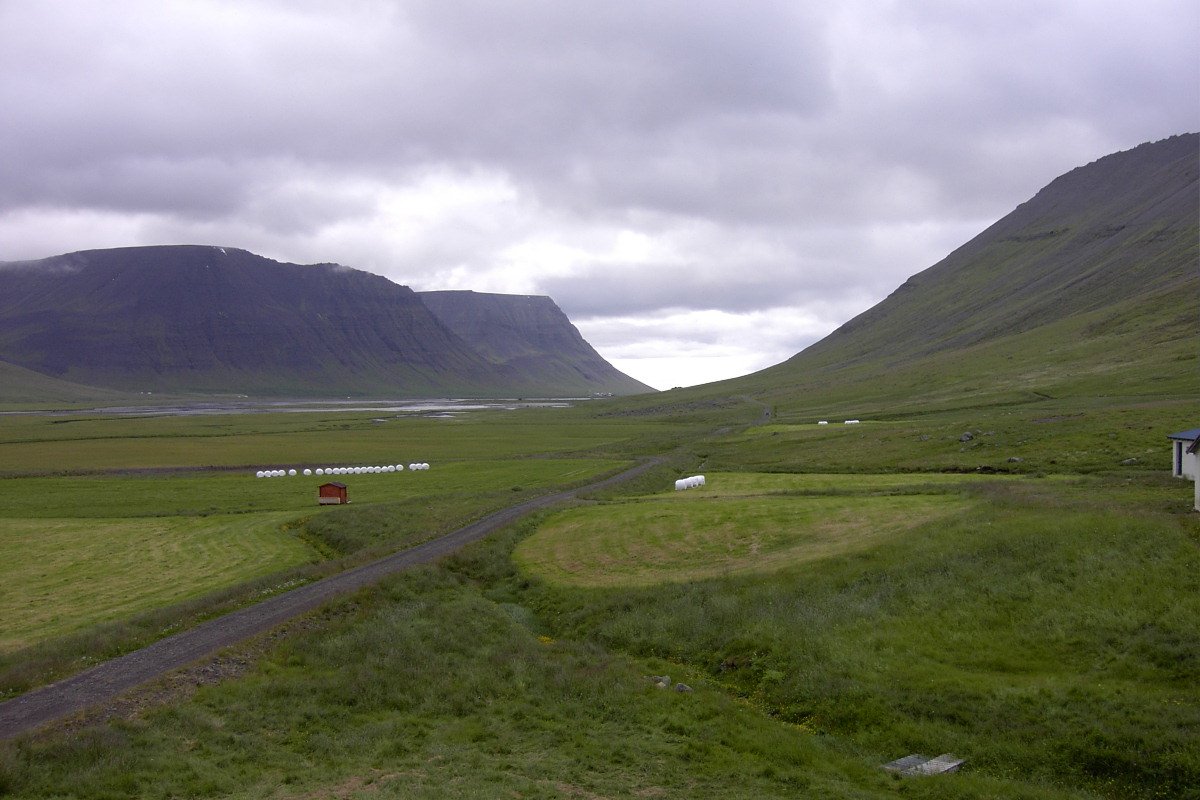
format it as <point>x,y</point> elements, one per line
<point>680,485</point>
<point>307,472</point>
<point>851,422</point>
<point>823,422</point>
<point>259,474</point>
<point>291,473</point>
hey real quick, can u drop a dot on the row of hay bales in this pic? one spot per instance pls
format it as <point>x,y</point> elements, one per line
<point>689,483</point>
<point>320,471</point>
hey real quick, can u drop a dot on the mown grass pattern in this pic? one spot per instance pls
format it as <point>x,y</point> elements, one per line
<point>61,575</point>
<point>705,533</point>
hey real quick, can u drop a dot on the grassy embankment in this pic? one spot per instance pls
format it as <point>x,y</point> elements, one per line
<point>1042,628</point>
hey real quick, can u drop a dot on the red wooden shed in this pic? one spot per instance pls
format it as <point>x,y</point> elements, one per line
<point>331,494</point>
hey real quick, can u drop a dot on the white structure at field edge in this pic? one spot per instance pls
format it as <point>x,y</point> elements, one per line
<point>1185,459</point>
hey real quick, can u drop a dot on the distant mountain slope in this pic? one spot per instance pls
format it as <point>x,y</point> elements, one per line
<point>209,319</point>
<point>1091,286</point>
<point>530,335</point>
<point>20,386</point>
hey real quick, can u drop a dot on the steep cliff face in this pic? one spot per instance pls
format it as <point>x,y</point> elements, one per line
<point>531,336</point>
<point>198,318</point>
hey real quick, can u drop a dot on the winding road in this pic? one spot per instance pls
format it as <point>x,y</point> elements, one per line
<point>107,681</point>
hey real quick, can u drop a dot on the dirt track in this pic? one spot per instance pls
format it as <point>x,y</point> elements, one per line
<point>107,681</point>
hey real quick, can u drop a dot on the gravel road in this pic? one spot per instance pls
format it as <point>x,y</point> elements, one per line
<point>106,681</point>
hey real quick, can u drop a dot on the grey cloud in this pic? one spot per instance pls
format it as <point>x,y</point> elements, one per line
<point>783,153</point>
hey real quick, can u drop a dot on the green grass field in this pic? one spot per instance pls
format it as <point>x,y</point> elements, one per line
<point>51,445</point>
<point>103,547</point>
<point>737,524</point>
<point>61,575</point>
<point>836,597</point>
<point>1047,631</point>
<point>89,503</point>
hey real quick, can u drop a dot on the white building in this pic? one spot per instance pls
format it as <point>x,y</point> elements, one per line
<point>1185,458</point>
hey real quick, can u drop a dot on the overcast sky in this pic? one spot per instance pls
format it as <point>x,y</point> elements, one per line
<point>705,188</point>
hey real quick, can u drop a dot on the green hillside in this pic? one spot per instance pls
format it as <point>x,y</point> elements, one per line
<point>20,386</point>
<point>1090,289</point>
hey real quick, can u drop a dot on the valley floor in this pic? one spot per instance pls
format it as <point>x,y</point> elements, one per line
<point>1041,626</point>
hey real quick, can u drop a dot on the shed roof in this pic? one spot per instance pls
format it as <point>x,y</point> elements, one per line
<point>333,483</point>
<point>1188,436</point>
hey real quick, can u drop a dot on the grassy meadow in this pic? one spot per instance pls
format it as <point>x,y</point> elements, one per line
<point>835,596</point>
<point>740,524</point>
<point>119,530</point>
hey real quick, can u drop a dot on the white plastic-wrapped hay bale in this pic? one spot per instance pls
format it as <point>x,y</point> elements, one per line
<point>680,485</point>
<point>851,422</point>
<point>291,473</point>
<point>699,480</point>
<point>823,422</point>
<point>259,474</point>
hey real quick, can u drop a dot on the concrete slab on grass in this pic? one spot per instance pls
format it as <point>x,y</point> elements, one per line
<point>924,765</point>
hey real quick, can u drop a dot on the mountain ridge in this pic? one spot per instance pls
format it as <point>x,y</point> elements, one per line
<point>528,334</point>
<point>204,319</point>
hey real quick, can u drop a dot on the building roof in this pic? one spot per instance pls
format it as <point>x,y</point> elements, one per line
<point>1188,436</point>
<point>333,483</point>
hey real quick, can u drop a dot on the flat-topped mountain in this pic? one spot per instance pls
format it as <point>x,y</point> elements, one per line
<point>529,335</point>
<point>210,319</point>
